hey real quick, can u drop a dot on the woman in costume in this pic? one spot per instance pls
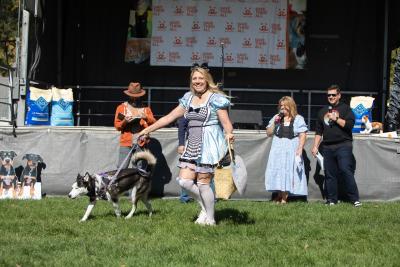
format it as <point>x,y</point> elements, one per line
<point>285,168</point>
<point>209,129</point>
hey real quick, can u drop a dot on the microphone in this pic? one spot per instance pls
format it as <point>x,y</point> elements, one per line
<point>330,109</point>
<point>222,44</point>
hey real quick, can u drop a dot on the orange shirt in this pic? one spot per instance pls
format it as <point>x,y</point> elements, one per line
<point>126,134</point>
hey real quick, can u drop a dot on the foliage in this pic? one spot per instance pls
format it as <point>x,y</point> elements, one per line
<point>8,31</point>
<point>47,233</point>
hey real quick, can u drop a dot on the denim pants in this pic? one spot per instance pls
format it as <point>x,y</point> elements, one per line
<point>339,161</point>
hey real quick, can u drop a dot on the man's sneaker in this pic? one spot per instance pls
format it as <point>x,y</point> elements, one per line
<point>329,203</point>
<point>357,204</point>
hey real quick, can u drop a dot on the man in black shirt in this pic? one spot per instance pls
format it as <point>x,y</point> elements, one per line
<point>335,123</point>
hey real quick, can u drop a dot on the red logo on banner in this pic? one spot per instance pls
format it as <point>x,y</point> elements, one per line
<point>281,12</point>
<point>195,56</point>
<point>276,27</point>
<point>225,11</point>
<point>208,26</point>
<point>260,12</point>
<point>247,12</point>
<point>247,43</point>
<point>161,26</point>
<point>195,26</point>
<point>229,58</point>
<point>274,59</point>
<point>174,25</point>
<point>208,56</point>
<point>156,40</point>
<point>225,40</point>
<point>262,59</point>
<point>178,41</point>
<point>242,26</point>
<point>158,9</point>
<point>174,56</point>
<point>179,11</point>
<point>263,27</point>
<point>280,44</point>
<point>211,42</point>
<point>229,27</point>
<point>260,42</point>
<point>212,11</point>
<point>242,58</point>
<point>190,41</point>
<point>191,10</point>
<point>161,56</point>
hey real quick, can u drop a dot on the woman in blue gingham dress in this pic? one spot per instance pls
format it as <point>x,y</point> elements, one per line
<point>209,128</point>
<point>284,174</point>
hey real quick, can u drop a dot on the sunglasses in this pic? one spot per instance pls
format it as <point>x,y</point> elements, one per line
<point>202,66</point>
<point>329,95</point>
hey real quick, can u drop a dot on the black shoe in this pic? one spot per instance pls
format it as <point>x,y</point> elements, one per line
<point>357,204</point>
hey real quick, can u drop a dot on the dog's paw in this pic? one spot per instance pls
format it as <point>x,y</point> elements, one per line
<point>82,220</point>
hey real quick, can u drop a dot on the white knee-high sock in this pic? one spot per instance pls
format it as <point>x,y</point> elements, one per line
<point>192,189</point>
<point>207,195</point>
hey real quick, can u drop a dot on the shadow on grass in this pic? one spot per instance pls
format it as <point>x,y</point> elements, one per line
<point>233,216</point>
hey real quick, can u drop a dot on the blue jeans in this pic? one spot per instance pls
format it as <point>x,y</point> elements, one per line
<point>339,161</point>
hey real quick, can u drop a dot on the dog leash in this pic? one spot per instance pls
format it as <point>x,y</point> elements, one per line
<point>140,142</point>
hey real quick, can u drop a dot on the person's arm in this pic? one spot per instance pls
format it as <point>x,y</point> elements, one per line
<point>302,141</point>
<point>317,142</point>
<point>226,124</point>
<point>119,123</point>
<point>164,121</point>
<point>182,127</point>
<point>148,116</point>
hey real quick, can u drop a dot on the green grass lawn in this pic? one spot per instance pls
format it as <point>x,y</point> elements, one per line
<point>48,233</point>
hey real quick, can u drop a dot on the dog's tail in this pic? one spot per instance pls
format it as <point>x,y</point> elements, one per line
<point>147,156</point>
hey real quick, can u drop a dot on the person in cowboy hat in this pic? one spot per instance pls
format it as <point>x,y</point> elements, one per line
<point>131,117</point>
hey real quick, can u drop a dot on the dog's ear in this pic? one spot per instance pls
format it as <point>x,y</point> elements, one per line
<point>86,177</point>
<point>13,154</point>
<point>25,156</point>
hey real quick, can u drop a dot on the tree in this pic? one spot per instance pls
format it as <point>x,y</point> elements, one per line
<point>8,31</point>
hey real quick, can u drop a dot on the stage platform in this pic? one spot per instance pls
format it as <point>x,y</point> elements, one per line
<point>68,151</point>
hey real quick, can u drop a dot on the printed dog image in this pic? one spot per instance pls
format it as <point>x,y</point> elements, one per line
<point>371,126</point>
<point>29,177</point>
<point>8,179</point>
<point>97,187</point>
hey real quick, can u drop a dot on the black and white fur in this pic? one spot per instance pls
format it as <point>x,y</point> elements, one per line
<point>96,186</point>
<point>7,173</point>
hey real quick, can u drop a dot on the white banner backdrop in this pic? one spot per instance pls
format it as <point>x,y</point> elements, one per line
<point>251,33</point>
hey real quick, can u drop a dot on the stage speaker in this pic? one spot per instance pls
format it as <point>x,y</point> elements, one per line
<point>246,119</point>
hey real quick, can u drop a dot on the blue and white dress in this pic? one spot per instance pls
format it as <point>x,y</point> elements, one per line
<point>206,144</point>
<point>282,173</point>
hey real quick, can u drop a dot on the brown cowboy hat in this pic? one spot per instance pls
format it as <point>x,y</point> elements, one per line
<point>135,90</point>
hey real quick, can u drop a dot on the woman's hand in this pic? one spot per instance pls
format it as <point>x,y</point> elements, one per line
<point>230,137</point>
<point>314,151</point>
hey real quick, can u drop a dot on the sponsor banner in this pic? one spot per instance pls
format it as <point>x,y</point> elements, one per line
<point>251,33</point>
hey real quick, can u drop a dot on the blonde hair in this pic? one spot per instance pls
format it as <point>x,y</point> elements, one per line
<point>289,102</point>
<point>211,85</point>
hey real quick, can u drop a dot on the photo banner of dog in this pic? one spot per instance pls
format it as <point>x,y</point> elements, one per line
<point>23,182</point>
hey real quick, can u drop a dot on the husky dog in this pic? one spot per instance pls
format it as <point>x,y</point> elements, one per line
<point>97,187</point>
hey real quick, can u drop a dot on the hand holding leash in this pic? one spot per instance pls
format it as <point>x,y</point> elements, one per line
<point>230,138</point>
